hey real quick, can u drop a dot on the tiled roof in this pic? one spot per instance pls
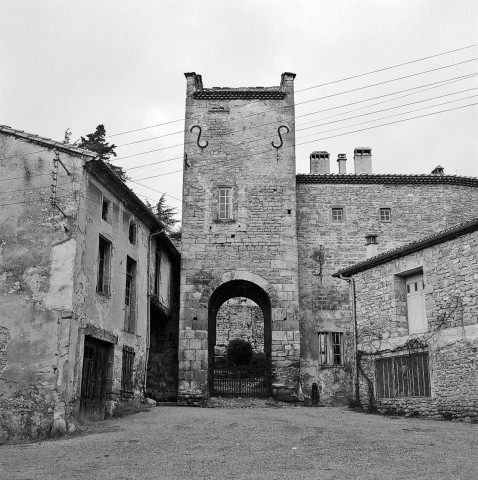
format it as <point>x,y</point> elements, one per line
<point>46,142</point>
<point>396,179</point>
<point>239,94</point>
<point>443,236</point>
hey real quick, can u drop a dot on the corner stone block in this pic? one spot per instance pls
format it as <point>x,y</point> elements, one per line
<point>184,386</point>
<point>279,335</point>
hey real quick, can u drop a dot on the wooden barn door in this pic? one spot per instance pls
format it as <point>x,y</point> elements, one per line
<point>94,378</point>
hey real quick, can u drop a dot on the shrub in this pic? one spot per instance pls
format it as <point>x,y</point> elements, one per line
<point>239,352</point>
<point>259,360</point>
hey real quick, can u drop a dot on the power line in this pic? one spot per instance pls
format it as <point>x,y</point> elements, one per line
<point>317,86</point>
<point>387,68</point>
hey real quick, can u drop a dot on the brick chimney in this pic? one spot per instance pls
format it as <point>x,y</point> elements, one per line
<point>319,163</point>
<point>438,170</point>
<point>363,160</point>
<point>371,244</point>
<point>287,82</point>
<point>342,160</point>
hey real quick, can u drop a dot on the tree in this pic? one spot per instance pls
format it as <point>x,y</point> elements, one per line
<point>164,213</point>
<point>96,143</point>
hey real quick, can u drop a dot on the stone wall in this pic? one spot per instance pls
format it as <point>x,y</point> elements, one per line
<point>419,206</point>
<point>258,244</point>
<point>450,273</point>
<point>239,318</point>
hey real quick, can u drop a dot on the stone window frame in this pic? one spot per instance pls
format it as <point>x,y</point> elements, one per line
<point>338,207</point>
<point>106,207</point>
<point>133,232</point>
<point>328,348</point>
<point>387,210</point>
<point>103,281</point>
<point>215,204</point>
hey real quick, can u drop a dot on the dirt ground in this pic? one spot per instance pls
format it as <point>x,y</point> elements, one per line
<point>251,440</point>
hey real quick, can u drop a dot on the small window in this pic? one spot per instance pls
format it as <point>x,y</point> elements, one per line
<point>130,296</point>
<point>331,349</point>
<point>416,314</point>
<point>127,370</point>
<point>337,214</point>
<point>132,233</point>
<point>225,203</point>
<point>403,376</point>
<point>104,265</point>
<point>385,215</point>
<point>105,209</point>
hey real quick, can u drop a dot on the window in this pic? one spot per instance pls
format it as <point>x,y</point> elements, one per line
<point>105,209</point>
<point>417,320</point>
<point>385,215</point>
<point>403,376</point>
<point>127,370</point>
<point>331,349</point>
<point>130,296</point>
<point>337,214</point>
<point>104,261</point>
<point>157,270</point>
<point>132,233</point>
<point>225,203</point>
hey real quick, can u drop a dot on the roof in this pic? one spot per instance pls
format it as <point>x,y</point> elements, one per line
<point>394,179</point>
<point>47,142</point>
<point>441,237</point>
<point>259,93</point>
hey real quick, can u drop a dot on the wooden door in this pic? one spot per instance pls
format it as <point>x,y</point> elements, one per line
<point>94,378</point>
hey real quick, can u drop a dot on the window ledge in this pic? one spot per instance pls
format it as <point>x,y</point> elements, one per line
<point>224,220</point>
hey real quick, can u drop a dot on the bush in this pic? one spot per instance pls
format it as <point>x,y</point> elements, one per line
<point>239,352</point>
<point>259,360</point>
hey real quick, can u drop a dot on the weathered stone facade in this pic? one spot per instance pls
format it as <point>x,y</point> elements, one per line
<point>449,263</point>
<point>276,215</point>
<point>55,312</point>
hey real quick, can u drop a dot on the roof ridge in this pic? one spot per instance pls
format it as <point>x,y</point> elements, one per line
<point>46,141</point>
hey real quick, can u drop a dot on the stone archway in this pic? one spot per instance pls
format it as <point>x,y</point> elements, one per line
<point>230,286</point>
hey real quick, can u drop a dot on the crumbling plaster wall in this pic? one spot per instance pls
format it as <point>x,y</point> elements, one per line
<point>261,238</point>
<point>37,247</point>
<point>450,273</point>
<point>325,247</point>
<point>106,313</point>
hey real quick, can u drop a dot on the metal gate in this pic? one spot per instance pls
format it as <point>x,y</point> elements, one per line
<point>94,377</point>
<point>240,381</point>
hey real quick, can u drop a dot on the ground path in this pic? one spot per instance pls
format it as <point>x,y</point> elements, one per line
<point>253,443</point>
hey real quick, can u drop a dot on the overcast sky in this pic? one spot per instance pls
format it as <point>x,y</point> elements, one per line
<point>77,64</point>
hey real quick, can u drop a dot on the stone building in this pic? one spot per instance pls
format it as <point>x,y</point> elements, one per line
<point>86,279</point>
<point>253,228</point>
<point>416,320</point>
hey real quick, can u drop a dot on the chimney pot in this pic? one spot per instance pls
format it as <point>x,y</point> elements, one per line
<point>363,160</point>
<point>439,170</point>
<point>320,163</point>
<point>342,159</point>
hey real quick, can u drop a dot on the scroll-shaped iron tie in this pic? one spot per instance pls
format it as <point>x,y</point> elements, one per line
<point>202,147</point>
<point>280,136</point>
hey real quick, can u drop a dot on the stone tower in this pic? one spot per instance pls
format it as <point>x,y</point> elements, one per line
<point>239,234</point>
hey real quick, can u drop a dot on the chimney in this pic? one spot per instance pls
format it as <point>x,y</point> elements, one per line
<point>194,83</point>
<point>371,244</point>
<point>363,160</point>
<point>287,82</point>
<point>342,159</point>
<point>438,171</point>
<point>319,163</point>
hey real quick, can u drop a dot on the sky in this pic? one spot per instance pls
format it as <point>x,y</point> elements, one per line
<point>70,64</point>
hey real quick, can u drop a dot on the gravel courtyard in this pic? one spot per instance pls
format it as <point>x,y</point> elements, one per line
<point>252,443</point>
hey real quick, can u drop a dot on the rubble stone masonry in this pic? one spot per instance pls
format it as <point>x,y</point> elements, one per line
<point>450,274</point>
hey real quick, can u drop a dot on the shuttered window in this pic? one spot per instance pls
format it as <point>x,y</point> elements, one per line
<point>417,320</point>
<point>127,370</point>
<point>403,376</point>
<point>331,349</point>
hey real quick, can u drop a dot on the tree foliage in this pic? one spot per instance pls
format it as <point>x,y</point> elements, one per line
<point>164,213</point>
<point>96,142</point>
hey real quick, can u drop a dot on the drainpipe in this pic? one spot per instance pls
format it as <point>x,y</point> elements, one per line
<point>148,307</point>
<point>351,282</point>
